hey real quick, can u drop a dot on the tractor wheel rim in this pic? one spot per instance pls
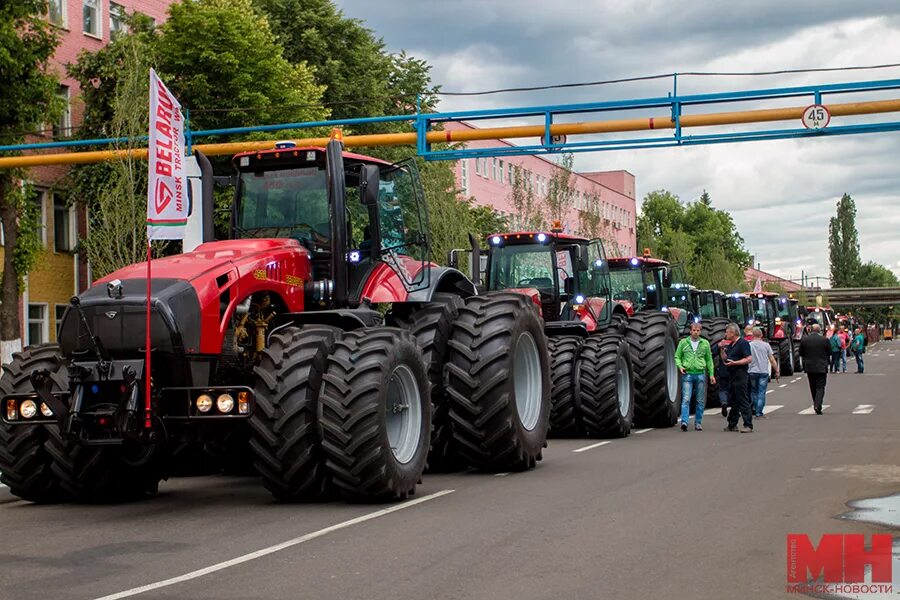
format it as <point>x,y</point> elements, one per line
<point>623,386</point>
<point>527,380</point>
<point>403,414</point>
<point>671,371</point>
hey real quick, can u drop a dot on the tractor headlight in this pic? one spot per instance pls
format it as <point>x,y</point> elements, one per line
<point>579,299</point>
<point>204,403</point>
<point>244,403</point>
<point>496,240</point>
<point>45,410</point>
<point>225,402</point>
<point>28,409</point>
<point>542,237</point>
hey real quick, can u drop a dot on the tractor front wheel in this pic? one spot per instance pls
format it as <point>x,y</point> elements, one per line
<point>653,338</point>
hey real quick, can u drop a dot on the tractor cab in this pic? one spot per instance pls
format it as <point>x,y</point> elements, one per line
<point>566,275</point>
<point>358,218</point>
<point>708,304</point>
<point>822,316</point>
<point>767,309</point>
<point>738,308</point>
<point>645,283</point>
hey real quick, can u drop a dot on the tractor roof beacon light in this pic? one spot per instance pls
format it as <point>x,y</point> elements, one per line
<point>556,226</point>
<point>646,252</point>
<point>579,299</point>
<point>353,256</point>
<point>285,144</point>
<point>598,263</point>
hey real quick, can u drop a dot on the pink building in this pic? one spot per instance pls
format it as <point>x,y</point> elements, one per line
<point>62,270</point>
<point>605,197</point>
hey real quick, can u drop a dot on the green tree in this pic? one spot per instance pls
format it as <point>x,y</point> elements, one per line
<point>27,99</point>
<point>561,189</point>
<point>702,238</point>
<point>843,243</point>
<point>530,213</point>
<point>222,61</point>
<point>872,274</point>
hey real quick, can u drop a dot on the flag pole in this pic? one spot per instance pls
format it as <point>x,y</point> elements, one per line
<point>148,423</point>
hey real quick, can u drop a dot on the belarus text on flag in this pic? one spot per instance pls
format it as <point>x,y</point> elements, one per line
<point>167,202</point>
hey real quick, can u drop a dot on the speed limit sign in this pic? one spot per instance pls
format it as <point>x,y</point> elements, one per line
<point>816,116</point>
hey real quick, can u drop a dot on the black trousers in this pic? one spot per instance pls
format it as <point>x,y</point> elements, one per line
<point>739,399</point>
<point>817,388</point>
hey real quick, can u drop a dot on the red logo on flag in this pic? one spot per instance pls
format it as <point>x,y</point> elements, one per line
<point>163,196</point>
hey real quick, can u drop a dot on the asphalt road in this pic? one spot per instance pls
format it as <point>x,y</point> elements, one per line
<point>660,514</point>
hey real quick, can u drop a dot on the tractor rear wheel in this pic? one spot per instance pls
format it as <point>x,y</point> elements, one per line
<point>657,395</point>
<point>285,437</point>
<point>786,356</point>
<point>795,349</point>
<point>714,332</point>
<point>604,387</point>
<point>564,420</point>
<point>24,461</point>
<point>498,382</point>
<point>432,325</point>
<point>375,414</point>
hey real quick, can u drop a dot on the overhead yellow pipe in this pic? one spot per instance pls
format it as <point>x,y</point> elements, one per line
<point>468,135</point>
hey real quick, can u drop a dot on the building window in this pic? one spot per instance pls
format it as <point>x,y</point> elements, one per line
<point>37,324</point>
<point>500,171</point>
<point>464,175</point>
<point>60,310</point>
<point>40,198</point>
<point>63,226</point>
<point>63,127</point>
<point>511,175</point>
<point>56,12</point>
<point>91,18</point>
<point>116,19</point>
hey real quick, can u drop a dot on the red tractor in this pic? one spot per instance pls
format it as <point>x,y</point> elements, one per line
<point>320,330</point>
<point>642,286</point>
<point>590,363</point>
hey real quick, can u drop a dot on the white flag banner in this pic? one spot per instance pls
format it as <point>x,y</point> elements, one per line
<point>167,202</point>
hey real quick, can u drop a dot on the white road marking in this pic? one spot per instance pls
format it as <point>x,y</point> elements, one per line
<point>812,411</point>
<point>501,474</point>
<point>864,409</point>
<point>769,392</point>
<point>591,447</point>
<point>795,380</point>
<point>892,355</point>
<point>772,408</point>
<point>783,385</point>
<point>272,549</point>
<point>645,430</point>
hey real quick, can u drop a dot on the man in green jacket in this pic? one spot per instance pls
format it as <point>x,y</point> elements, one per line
<point>694,359</point>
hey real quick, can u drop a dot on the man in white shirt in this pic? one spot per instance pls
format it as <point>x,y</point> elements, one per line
<point>758,371</point>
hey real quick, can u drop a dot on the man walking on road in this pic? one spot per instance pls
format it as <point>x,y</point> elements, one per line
<point>736,358</point>
<point>815,350</point>
<point>762,363</point>
<point>858,347</point>
<point>835,350</point>
<point>694,359</point>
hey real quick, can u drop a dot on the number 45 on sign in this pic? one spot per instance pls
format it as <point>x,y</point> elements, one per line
<point>816,116</point>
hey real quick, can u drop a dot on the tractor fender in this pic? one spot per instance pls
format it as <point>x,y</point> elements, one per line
<point>446,280</point>
<point>347,319</point>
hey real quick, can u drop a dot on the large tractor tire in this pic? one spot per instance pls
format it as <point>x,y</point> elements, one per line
<point>285,436</point>
<point>714,332</point>
<point>564,418</point>
<point>375,414</point>
<point>604,384</point>
<point>24,461</point>
<point>432,325</point>
<point>653,337</point>
<point>786,356</point>
<point>106,473</point>
<point>798,361</point>
<point>498,382</point>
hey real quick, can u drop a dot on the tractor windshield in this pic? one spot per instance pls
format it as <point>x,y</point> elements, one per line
<point>283,203</point>
<point>707,305</point>
<point>522,266</point>
<point>736,310</point>
<point>629,284</point>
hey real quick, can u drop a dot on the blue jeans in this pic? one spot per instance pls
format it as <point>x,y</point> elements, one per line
<point>860,365</point>
<point>844,360</point>
<point>693,383</point>
<point>758,384</point>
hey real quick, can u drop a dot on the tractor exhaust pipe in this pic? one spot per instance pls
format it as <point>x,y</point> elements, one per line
<point>207,201</point>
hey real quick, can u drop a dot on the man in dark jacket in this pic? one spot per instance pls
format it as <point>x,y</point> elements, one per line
<point>815,350</point>
<point>736,357</point>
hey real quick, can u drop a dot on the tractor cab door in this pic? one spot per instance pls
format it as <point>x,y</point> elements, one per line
<point>594,283</point>
<point>391,231</point>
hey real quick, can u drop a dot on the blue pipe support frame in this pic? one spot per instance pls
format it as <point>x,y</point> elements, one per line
<point>422,123</point>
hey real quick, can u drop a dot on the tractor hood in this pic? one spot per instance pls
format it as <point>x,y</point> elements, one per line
<point>207,257</point>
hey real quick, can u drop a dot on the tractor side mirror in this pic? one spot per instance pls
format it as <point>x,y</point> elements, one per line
<point>582,259</point>
<point>368,185</point>
<point>569,286</point>
<point>667,277</point>
<point>453,258</point>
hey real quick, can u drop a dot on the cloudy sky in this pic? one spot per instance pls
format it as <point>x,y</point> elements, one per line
<point>781,193</point>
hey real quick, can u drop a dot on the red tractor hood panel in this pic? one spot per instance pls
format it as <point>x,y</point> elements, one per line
<point>210,256</point>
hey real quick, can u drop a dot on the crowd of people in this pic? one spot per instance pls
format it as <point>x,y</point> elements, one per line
<point>746,365</point>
